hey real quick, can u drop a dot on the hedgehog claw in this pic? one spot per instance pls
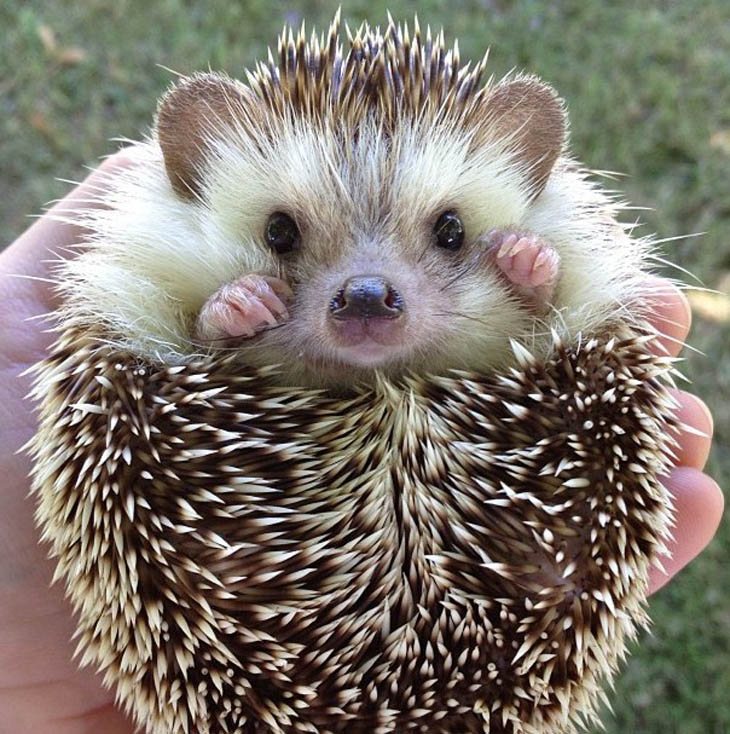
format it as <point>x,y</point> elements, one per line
<point>508,244</point>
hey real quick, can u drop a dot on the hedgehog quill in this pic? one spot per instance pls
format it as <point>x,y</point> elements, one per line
<point>351,422</point>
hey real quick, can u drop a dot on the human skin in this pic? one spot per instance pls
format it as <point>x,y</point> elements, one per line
<point>41,689</point>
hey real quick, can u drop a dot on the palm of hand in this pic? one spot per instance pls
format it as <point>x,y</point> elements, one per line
<point>41,689</point>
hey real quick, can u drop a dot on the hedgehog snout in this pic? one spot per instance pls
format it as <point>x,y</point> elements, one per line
<point>366,319</point>
<point>366,297</point>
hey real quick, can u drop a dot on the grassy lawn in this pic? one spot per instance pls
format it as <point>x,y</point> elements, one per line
<point>648,89</point>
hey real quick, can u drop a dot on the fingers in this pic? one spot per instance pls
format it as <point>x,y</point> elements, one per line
<point>698,500</point>
<point>670,313</point>
<point>699,505</point>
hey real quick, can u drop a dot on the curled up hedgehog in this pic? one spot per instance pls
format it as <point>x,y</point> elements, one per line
<point>351,423</point>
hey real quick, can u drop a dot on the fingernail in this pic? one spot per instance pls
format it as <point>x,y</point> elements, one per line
<point>662,288</point>
<point>687,308</point>
<point>706,411</point>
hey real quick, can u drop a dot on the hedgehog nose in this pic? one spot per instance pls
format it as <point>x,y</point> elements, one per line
<point>366,297</point>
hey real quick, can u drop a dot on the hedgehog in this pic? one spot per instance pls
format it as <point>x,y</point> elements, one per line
<point>351,423</point>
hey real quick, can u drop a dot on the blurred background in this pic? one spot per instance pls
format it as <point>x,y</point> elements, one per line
<point>648,91</point>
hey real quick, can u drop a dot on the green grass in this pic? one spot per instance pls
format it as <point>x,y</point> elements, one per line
<point>648,89</point>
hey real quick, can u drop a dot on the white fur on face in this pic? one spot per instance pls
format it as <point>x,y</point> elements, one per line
<point>363,207</point>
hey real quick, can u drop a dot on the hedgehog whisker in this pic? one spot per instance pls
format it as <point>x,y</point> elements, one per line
<point>462,315</point>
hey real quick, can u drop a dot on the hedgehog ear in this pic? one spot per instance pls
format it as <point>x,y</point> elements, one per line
<point>189,116</point>
<point>529,114</point>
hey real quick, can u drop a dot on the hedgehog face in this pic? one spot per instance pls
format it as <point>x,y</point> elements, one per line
<point>363,218</point>
<point>362,195</point>
<point>363,155</point>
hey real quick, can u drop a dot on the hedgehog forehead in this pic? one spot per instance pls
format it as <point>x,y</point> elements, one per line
<point>344,185</point>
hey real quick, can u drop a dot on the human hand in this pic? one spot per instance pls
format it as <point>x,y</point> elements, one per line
<point>41,689</point>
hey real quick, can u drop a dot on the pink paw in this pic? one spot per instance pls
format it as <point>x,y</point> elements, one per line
<point>528,262</point>
<point>243,308</point>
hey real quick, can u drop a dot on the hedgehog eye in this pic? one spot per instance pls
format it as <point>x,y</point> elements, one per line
<point>449,231</point>
<point>282,233</point>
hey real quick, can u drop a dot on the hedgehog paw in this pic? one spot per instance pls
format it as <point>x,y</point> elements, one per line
<point>529,263</point>
<point>243,308</point>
